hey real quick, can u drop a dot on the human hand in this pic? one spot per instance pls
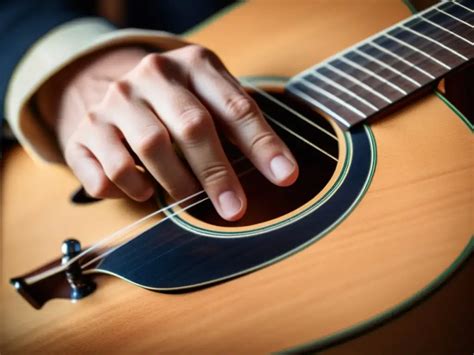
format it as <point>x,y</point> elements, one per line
<point>130,99</point>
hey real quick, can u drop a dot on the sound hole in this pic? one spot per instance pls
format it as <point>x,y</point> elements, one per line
<point>265,200</point>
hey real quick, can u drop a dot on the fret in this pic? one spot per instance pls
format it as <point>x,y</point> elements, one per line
<point>418,33</point>
<point>354,85</point>
<point>397,61</point>
<point>463,48</point>
<point>326,96</point>
<point>445,21</point>
<point>430,48</point>
<point>454,17</point>
<point>458,12</point>
<point>404,43</point>
<point>336,107</point>
<point>371,73</point>
<point>424,18</point>
<point>314,80</point>
<point>360,83</point>
<point>309,98</point>
<point>460,4</point>
<point>372,69</point>
<point>412,55</point>
<point>335,84</point>
<point>390,66</point>
<point>372,81</point>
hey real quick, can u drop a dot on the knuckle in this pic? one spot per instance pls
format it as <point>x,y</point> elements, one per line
<point>260,140</point>
<point>120,88</point>
<point>198,54</point>
<point>96,117</point>
<point>153,63</point>
<point>194,123</point>
<point>92,117</point>
<point>197,51</point>
<point>119,167</point>
<point>151,140</point>
<point>240,108</point>
<point>214,173</point>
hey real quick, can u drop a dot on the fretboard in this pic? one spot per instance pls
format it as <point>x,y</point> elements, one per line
<point>375,74</point>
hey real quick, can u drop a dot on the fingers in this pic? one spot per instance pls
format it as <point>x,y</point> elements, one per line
<point>175,98</point>
<point>192,127</point>
<point>150,141</point>
<point>89,171</point>
<point>198,139</point>
<point>118,166</point>
<point>242,119</point>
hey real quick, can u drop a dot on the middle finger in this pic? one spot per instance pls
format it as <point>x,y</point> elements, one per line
<point>191,126</point>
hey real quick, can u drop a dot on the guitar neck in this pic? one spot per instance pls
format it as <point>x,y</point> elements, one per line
<point>395,64</point>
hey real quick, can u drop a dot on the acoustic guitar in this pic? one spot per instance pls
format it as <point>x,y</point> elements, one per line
<point>381,214</point>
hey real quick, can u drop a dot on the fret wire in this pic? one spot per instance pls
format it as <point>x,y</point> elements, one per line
<point>370,72</point>
<point>358,82</point>
<point>423,18</point>
<point>288,108</point>
<point>417,33</point>
<point>429,61</point>
<point>373,37</point>
<point>333,97</point>
<point>417,50</point>
<point>379,62</point>
<point>395,55</point>
<point>367,40</point>
<point>323,107</point>
<point>342,88</point>
<point>461,5</point>
<point>282,126</point>
<point>454,17</point>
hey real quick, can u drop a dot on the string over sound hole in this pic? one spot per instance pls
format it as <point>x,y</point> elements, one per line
<point>313,141</point>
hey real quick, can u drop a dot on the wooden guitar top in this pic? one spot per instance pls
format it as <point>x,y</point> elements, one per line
<point>412,228</point>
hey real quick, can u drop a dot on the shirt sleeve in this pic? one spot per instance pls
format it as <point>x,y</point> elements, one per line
<point>58,48</point>
<point>21,24</point>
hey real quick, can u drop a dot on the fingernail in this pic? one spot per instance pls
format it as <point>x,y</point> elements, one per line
<point>230,204</point>
<point>281,167</point>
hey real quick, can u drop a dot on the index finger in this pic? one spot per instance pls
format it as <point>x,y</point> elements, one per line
<point>244,122</point>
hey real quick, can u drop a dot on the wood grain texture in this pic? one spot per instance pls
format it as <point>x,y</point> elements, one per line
<point>414,221</point>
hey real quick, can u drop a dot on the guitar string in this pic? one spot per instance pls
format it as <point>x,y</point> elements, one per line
<point>103,255</point>
<point>118,233</point>
<point>454,17</point>
<point>270,118</point>
<point>129,228</point>
<point>281,104</point>
<point>284,106</point>
<point>132,226</point>
<point>287,108</point>
<point>461,5</point>
<point>162,210</point>
<point>140,221</point>
<point>369,41</point>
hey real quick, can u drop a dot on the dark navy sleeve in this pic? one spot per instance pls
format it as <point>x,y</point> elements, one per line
<point>22,23</point>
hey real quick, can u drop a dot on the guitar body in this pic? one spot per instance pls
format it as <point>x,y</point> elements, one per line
<point>408,230</point>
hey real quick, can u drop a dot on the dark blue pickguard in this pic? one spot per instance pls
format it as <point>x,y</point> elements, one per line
<point>168,257</point>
